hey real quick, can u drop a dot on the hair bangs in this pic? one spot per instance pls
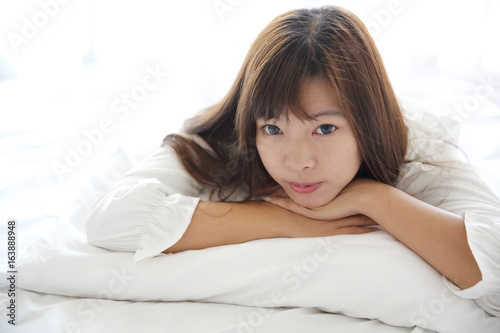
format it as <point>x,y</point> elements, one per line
<point>278,81</point>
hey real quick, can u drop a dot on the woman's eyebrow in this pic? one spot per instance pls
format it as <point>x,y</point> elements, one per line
<point>328,112</point>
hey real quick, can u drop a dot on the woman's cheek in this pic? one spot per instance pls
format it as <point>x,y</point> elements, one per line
<point>269,157</point>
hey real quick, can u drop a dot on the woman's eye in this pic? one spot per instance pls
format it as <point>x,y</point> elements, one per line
<point>325,129</point>
<point>271,129</point>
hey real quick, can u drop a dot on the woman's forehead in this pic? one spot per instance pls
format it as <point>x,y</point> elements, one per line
<point>316,99</point>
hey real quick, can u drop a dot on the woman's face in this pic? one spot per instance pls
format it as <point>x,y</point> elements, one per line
<point>312,160</point>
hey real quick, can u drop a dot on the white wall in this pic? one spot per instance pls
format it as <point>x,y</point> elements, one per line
<point>91,53</point>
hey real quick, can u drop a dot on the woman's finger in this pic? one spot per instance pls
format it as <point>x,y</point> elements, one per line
<point>356,230</point>
<point>356,220</point>
<point>290,205</point>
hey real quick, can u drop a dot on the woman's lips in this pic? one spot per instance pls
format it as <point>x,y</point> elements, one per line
<point>304,188</point>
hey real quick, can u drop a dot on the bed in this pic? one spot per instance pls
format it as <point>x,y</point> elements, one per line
<point>63,144</point>
<point>65,285</point>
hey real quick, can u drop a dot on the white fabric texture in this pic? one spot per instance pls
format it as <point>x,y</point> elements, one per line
<point>45,313</point>
<point>369,276</point>
<point>151,207</point>
<point>148,210</point>
<point>455,187</point>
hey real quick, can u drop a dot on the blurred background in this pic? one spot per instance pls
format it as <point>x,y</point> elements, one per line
<point>88,88</point>
<point>76,49</point>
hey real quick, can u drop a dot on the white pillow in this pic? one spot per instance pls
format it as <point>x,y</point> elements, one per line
<point>97,181</point>
<point>365,276</point>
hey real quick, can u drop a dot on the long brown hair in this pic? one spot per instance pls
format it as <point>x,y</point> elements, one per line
<point>328,42</point>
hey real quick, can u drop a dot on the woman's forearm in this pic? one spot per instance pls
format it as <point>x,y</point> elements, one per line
<point>219,223</point>
<point>224,223</point>
<point>436,235</point>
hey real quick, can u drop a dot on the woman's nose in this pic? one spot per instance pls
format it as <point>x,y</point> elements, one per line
<point>298,156</point>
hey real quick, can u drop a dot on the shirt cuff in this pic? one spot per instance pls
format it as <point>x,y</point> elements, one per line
<point>483,236</point>
<point>159,234</point>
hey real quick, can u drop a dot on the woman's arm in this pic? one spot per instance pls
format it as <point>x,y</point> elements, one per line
<point>436,235</point>
<point>156,208</point>
<point>223,223</point>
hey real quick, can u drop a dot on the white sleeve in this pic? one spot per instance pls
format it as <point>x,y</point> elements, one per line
<point>148,210</point>
<point>458,189</point>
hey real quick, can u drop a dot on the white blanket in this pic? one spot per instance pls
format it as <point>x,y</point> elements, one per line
<point>365,276</point>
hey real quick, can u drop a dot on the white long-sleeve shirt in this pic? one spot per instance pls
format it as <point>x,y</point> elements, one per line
<point>149,209</point>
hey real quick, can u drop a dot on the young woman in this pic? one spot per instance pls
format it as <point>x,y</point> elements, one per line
<point>309,141</point>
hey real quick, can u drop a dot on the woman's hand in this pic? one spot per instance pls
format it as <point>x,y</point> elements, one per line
<point>350,225</point>
<point>349,202</point>
<point>438,236</point>
<point>339,217</point>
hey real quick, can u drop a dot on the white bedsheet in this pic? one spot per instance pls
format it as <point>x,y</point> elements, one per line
<point>42,203</point>
<point>369,276</point>
<point>52,313</point>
